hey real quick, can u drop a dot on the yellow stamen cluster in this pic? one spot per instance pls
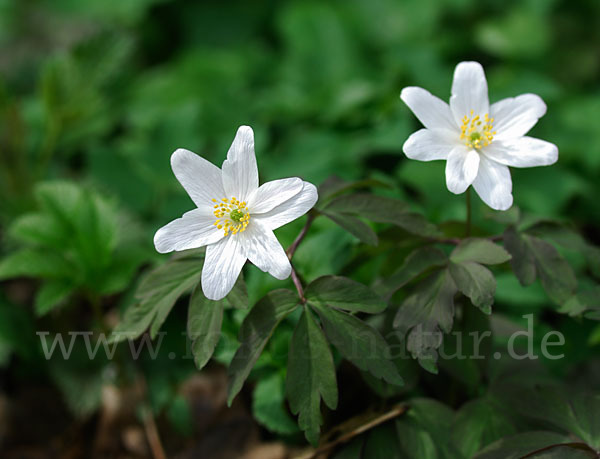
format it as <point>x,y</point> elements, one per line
<point>475,132</point>
<point>232,215</point>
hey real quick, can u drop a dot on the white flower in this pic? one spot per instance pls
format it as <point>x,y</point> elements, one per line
<point>235,217</point>
<point>478,141</point>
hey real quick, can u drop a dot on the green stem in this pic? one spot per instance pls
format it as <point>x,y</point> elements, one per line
<point>468,223</point>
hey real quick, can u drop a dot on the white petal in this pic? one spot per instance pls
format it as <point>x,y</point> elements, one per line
<point>240,173</point>
<point>200,178</point>
<point>461,169</point>
<point>522,152</point>
<point>195,229</point>
<point>291,209</point>
<point>469,91</point>
<point>515,116</point>
<point>493,184</point>
<point>429,144</point>
<point>222,265</point>
<point>434,113</point>
<point>263,249</point>
<point>271,194</point>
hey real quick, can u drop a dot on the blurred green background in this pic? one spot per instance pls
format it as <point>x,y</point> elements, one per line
<point>95,95</point>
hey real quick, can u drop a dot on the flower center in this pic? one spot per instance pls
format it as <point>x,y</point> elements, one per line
<point>475,132</point>
<point>232,215</point>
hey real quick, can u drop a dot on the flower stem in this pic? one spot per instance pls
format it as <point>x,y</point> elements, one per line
<point>292,249</point>
<point>468,223</point>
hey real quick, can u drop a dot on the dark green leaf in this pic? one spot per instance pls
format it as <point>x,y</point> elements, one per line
<point>355,227</point>
<point>479,250</point>
<point>532,256</point>
<point>238,296</point>
<point>475,281</point>
<point>257,328</point>
<point>415,264</point>
<point>522,262</point>
<point>341,292</point>
<point>157,294</point>
<point>204,326</point>
<point>372,207</point>
<point>360,343</point>
<point>310,376</point>
<point>382,443</point>
<point>479,423</point>
<point>430,307</point>
<point>334,186</point>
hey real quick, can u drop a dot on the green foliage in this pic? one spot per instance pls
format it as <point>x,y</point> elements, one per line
<point>205,318</point>
<point>73,244</point>
<point>343,293</point>
<point>310,376</point>
<point>156,295</point>
<point>257,328</point>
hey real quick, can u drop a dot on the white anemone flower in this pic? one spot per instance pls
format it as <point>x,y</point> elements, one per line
<point>235,217</point>
<point>478,141</point>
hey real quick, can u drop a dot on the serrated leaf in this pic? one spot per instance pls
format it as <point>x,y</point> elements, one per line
<point>204,326</point>
<point>157,293</point>
<point>372,207</point>
<point>354,226</point>
<point>359,343</point>
<point>415,264</point>
<point>533,256</point>
<point>475,281</point>
<point>479,250</point>
<point>522,262</point>
<point>256,329</point>
<point>51,294</point>
<point>268,405</point>
<point>382,209</point>
<point>310,376</point>
<point>423,313</point>
<point>344,293</point>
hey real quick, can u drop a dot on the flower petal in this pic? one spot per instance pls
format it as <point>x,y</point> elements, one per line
<point>429,144</point>
<point>291,209</point>
<point>434,113</point>
<point>522,152</point>
<point>194,229</point>
<point>240,173</point>
<point>493,184</point>
<point>273,193</point>
<point>263,249</point>
<point>515,116</point>
<point>469,91</point>
<point>461,169</point>
<point>222,265</point>
<point>200,178</point>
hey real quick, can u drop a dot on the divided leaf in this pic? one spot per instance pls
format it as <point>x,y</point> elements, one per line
<point>157,293</point>
<point>423,313</point>
<point>479,250</point>
<point>415,264</point>
<point>533,256</point>
<point>310,376</point>
<point>268,405</point>
<point>359,343</point>
<point>475,281</point>
<point>354,226</point>
<point>381,209</point>
<point>205,318</point>
<point>257,328</point>
<point>341,292</point>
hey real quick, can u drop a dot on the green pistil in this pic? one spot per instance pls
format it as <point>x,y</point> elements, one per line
<point>236,215</point>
